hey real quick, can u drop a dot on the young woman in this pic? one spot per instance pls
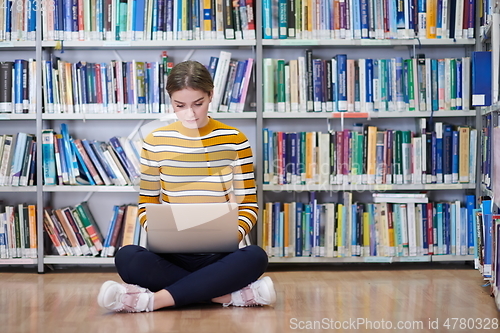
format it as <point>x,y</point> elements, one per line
<point>196,159</point>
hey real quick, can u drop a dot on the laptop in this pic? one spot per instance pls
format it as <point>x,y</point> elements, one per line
<point>192,228</point>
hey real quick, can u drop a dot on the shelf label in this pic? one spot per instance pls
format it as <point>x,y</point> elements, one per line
<point>6,44</point>
<point>4,116</point>
<point>378,259</point>
<point>286,42</point>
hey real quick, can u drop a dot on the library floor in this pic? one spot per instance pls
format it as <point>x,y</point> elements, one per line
<point>349,298</point>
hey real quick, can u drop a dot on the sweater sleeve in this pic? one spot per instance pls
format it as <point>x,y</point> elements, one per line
<point>244,186</point>
<point>150,178</point>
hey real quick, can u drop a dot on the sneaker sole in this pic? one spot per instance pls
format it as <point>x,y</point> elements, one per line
<point>270,285</point>
<point>102,292</point>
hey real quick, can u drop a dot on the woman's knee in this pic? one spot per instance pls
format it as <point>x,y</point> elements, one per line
<point>258,255</point>
<point>124,257</point>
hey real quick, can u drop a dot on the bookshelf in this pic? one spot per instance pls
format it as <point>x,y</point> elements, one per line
<point>489,255</point>
<point>252,121</point>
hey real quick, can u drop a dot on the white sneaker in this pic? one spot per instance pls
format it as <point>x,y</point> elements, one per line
<point>260,292</point>
<point>122,297</point>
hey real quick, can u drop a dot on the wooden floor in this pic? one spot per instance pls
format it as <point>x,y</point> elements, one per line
<point>310,298</point>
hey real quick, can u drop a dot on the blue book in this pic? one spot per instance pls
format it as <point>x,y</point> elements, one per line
<point>446,228</point>
<point>111,227</point>
<point>282,19</point>
<point>267,19</point>
<point>212,66</point>
<point>281,234</point>
<point>481,78</point>
<point>139,19</point>
<point>434,84</point>
<point>439,152</point>
<point>318,73</point>
<point>454,156</point>
<point>369,75</point>
<point>487,237</point>
<point>354,230</point>
<point>293,164</point>
<point>299,215</point>
<point>48,158</point>
<point>169,19</point>
<point>361,18</point>
<point>470,205</point>
<point>342,82</point>
<point>18,85</point>
<point>447,153</point>
<point>276,229</point>
<point>453,229</point>
<point>71,160</point>
<point>100,169</point>
<point>88,179</point>
<point>306,228</point>
<point>131,170</point>
<point>238,80</point>
<point>440,230</point>
<point>95,145</point>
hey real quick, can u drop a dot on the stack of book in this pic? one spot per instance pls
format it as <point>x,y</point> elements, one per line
<point>339,84</point>
<point>149,20</point>
<point>18,235</point>
<point>136,86</point>
<point>396,225</point>
<point>73,231</point>
<point>18,159</point>
<point>367,19</point>
<point>369,155</point>
<point>68,161</point>
<point>18,86</point>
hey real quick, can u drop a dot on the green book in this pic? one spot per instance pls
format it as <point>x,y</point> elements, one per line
<point>398,157</point>
<point>280,85</point>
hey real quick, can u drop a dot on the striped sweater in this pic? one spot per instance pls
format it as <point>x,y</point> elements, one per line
<point>206,165</point>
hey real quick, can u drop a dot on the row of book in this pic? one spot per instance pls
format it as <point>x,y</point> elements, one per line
<point>73,231</point>
<point>69,161</point>
<point>18,20</point>
<point>368,19</point>
<point>18,159</point>
<point>149,20</point>
<point>369,155</point>
<point>339,84</point>
<point>18,233</point>
<point>18,86</point>
<point>115,87</point>
<point>394,225</point>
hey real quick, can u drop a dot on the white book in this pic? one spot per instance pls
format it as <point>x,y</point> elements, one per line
<point>417,160</point>
<point>288,106</point>
<point>220,78</point>
<point>302,84</point>
<point>329,229</point>
<point>412,236</point>
<point>294,85</point>
<point>403,225</point>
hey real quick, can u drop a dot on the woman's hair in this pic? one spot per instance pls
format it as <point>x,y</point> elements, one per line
<point>190,74</point>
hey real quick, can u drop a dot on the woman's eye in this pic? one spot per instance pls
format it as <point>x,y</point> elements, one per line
<point>200,104</point>
<point>179,106</point>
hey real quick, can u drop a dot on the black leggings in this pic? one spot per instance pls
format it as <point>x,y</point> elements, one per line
<point>191,278</point>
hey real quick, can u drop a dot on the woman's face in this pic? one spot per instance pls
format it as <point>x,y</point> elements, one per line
<point>191,107</point>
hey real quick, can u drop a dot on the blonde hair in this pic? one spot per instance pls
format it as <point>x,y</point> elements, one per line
<point>190,74</point>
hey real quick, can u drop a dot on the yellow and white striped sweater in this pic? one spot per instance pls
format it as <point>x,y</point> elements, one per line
<point>206,165</point>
